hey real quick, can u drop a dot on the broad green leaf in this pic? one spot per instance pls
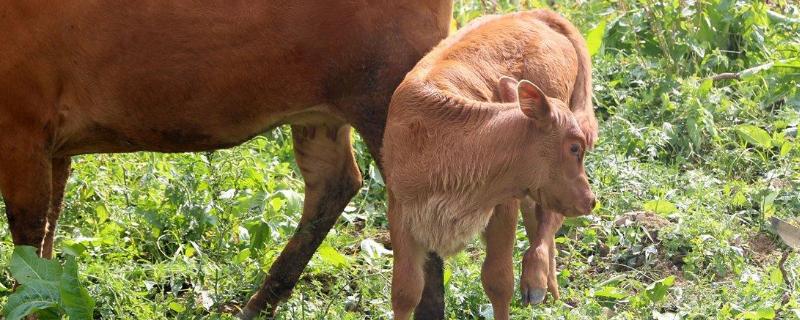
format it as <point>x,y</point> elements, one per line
<point>768,204</point>
<point>177,307</point>
<point>739,199</point>
<point>656,291</point>
<point>661,207</point>
<point>694,132</point>
<point>242,256</point>
<point>26,265</point>
<point>259,234</point>
<point>75,298</point>
<point>101,213</point>
<point>54,313</point>
<point>610,293</point>
<point>786,148</point>
<point>706,86</point>
<point>189,251</point>
<point>276,204</point>
<point>788,63</point>
<point>73,248</point>
<point>331,257</point>
<point>594,39</point>
<point>30,297</point>
<point>16,311</point>
<point>294,201</point>
<point>760,314</point>
<point>754,135</point>
<point>775,276</point>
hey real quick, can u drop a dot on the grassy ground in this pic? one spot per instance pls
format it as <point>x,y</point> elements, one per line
<point>688,171</point>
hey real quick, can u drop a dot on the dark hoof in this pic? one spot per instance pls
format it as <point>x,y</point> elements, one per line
<point>533,296</point>
<point>247,314</point>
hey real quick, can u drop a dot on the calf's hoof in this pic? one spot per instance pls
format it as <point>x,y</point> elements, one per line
<point>533,296</point>
<point>533,280</point>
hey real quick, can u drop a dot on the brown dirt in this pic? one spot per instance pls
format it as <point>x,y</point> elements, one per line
<point>651,222</point>
<point>644,218</point>
<point>762,249</point>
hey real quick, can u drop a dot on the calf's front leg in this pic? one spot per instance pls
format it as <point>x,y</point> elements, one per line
<point>497,274</point>
<point>538,264</point>
<point>408,278</point>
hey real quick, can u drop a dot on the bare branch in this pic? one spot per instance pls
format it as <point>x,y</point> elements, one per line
<point>726,76</point>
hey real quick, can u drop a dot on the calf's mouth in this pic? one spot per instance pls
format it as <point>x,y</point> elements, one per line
<point>550,203</point>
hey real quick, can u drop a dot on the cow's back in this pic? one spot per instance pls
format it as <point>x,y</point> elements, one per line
<point>182,75</point>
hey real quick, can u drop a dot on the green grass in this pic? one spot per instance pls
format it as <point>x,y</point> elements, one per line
<point>191,235</point>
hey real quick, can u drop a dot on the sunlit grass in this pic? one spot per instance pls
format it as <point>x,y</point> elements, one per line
<point>192,235</point>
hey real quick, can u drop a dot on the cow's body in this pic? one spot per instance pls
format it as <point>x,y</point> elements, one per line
<point>81,77</point>
<point>125,76</point>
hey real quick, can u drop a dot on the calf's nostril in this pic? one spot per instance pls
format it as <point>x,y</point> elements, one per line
<point>592,204</point>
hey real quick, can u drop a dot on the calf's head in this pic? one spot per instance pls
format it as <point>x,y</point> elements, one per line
<point>555,152</point>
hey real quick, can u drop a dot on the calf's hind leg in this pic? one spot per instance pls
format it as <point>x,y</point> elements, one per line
<point>332,178</point>
<point>497,274</point>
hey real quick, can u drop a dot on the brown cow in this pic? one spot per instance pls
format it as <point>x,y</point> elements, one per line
<point>457,156</point>
<point>80,77</point>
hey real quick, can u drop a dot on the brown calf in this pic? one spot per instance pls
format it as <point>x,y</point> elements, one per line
<point>456,156</point>
<point>81,77</point>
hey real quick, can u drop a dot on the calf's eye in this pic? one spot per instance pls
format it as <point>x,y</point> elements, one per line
<point>574,148</point>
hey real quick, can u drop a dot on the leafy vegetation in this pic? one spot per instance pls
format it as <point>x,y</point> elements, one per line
<point>699,103</point>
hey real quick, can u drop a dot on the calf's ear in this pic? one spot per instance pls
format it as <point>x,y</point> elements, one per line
<point>507,88</point>
<point>532,101</point>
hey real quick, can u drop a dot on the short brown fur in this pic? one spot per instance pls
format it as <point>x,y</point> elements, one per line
<point>458,149</point>
<point>81,77</point>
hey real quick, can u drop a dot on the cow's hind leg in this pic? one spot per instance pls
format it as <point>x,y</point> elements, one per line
<point>538,263</point>
<point>431,305</point>
<point>60,174</point>
<point>497,274</point>
<point>332,178</point>
<point>25,181</point>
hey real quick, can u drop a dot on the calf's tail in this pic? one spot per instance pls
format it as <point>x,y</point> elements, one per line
<point>581,99</point>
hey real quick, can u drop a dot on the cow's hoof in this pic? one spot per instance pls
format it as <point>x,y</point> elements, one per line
<point>247,314</point>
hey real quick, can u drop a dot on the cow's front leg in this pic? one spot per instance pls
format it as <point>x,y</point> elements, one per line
<point>26,183</point>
